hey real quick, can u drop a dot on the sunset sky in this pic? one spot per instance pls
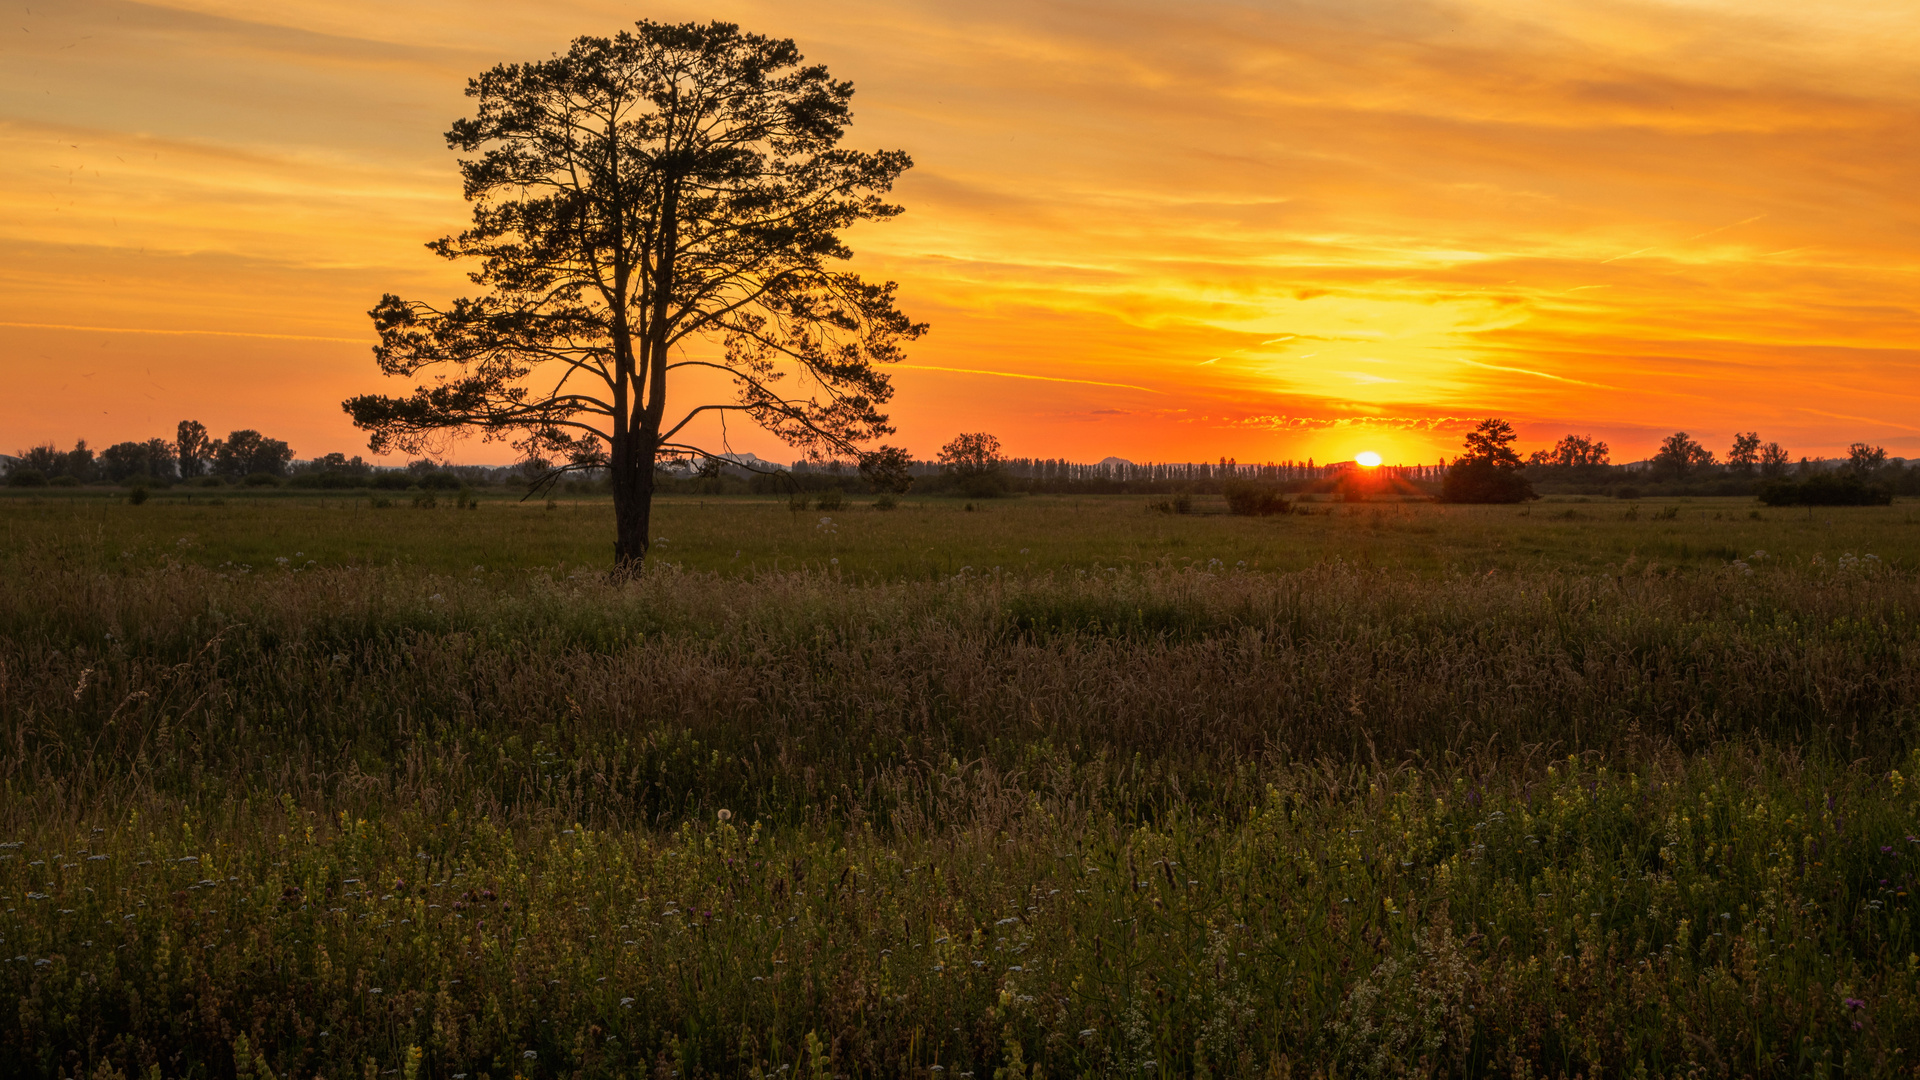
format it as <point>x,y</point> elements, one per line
<point>1155,230</point>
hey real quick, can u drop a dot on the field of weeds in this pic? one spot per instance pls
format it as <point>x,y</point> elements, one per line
<point>1115,812</point>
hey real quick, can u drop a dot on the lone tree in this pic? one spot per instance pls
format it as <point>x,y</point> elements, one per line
<point>665,188</point>
<point>1745,455</point>
<point>1489,471</point>
<point>1680,456</point>
<point>973,460</point>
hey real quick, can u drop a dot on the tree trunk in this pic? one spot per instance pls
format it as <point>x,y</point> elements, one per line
<point>632,502</point>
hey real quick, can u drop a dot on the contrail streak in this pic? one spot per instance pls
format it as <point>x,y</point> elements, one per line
<point>1038,378</point>
<point>181,333</point>
<point>1538,374</point>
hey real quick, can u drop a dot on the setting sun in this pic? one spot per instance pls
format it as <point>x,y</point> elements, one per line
<point>1368,458</point>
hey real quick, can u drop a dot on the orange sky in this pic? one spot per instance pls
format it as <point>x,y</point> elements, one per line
<point>1163,231</point>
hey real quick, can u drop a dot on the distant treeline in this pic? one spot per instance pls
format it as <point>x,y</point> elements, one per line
<point>1576,465</point>
<point>245,457</point>
<point>1579,465</point>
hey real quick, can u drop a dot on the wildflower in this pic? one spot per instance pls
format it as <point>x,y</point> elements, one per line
<point>1853,1003</point>
<point>529,1055</point>
<point>725,816</point>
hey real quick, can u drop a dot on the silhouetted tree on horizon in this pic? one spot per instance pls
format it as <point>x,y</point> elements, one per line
<point>246,452</point>
<point>1573,452</point>
<point>1864,460</point>
<point>1489,470</point>
<point>973,460</point>
<point>1745,453</point>
<point>1774,460</point>
<point>192,449</point>
<point>1679,456</point>
<point>636,195</point>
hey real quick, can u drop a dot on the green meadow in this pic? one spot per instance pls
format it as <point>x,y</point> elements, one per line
<point>300,786</point>
<point>933,537</point>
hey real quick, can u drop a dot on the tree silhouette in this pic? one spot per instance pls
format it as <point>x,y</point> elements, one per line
<point>637,195</point>
<point>1746,451</point>
<point>971,454</point>
<point>973,461</point>
<point>888,469</point>
<point>1865,460</point>
<point>1774,460</point>
<point>1492,442</point>
<point>1489,471</point>
<point>1679,455</point>
<point>1572,452</point>
<point>194,448</point>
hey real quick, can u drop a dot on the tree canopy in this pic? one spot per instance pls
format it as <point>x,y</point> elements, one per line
<point>1489,469</point>
<point>666,200</point>
<point>1573,452</point>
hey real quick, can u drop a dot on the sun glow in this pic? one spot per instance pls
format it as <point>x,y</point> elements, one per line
<point>1368,459</point>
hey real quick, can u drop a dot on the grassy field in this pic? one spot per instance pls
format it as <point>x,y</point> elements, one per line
<point>1050,787</point>
<point>934,537</point>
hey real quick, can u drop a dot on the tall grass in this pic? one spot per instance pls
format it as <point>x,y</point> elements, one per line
<point>352,821</point>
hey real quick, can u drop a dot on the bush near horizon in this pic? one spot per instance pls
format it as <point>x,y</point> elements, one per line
<point>1826,489</point>
<point>1482,481</point>
<point>1254,500</point>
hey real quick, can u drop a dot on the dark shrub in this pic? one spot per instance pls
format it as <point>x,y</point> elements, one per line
<point>26,478</point>
<point>261,479</point>
<point>65,481</point>
<point>1482,481</point>
<point>137,496</point>
<point>393,481</point>
<point>832,499</point>
<point>1627,492</point>
<point>440,481</point>
<point>330,480</point>
<point>1253,500</point>
<point>1826,489</point>
<point>990,485</point>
